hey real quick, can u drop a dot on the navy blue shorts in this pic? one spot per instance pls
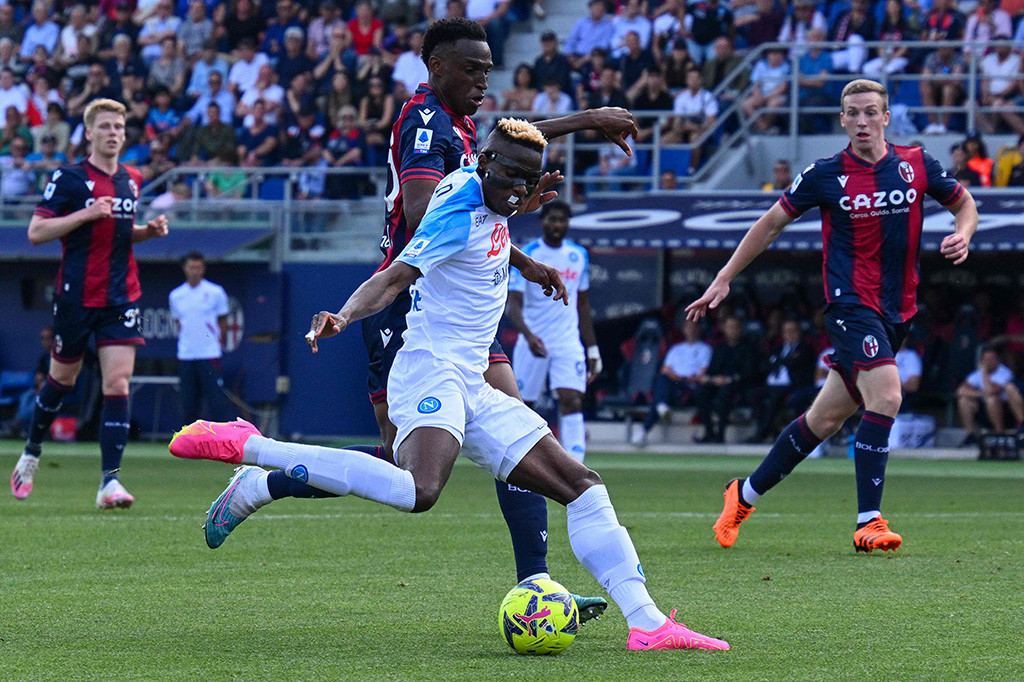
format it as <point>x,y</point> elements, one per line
<point>863,340</point>
<point>115,325</point>
<point>382,336</point>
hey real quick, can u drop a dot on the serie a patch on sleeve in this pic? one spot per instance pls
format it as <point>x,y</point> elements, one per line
<point>423,138</point>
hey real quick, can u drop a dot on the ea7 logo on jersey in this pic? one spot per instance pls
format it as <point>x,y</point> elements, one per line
<point>907,172</point>
<point>878,200</point>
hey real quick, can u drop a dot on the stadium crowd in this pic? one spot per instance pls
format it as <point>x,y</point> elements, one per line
<point>296,83</point>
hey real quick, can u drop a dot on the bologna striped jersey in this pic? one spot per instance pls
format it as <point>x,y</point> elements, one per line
<point>97,267</point>
<point>428,141</point>
<point>871,220</point>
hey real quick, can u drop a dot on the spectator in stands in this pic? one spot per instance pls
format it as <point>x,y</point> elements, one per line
<point>946,92</point>
<point>681,372</point>
<point>285,18</point>
<point>258,142</point>
<point>1016,177</point>
<point>78,25</point>
<point>707,20</point>
<point>299,95</point>
<point>649,93</point>
<point>195,30</point>
<point>677,64</point>
<point>18,178</point>
<point>9,56</point>
<point>894,31</point>
<point>789,382</point>
<point>161,25</point>
<point>76,70</point>
<point>782,177</point>
<point>815,66</point>
<point>303,147</point>
<point>551,63</point>
<point>11,95</point>
<point>695,112</point>
<point>121,25</point>
<point>344,149</point>
<point>9,28</point>
<point>226,184</point>
<point>266,89</point>
<point>985,23</point>
<point>551,99</point>
<point>493,16</point>
<point>763,26</point>
<point>241,23</point>
<point>213,139</point>
<point>721,64</point>
<point>293,60</point>
<point>159,161</point>
<point>376,116</point>
<point>123,61</point>
<point>732,365</point>
<point>319,30</point>
<point>169,71</point>
<point>636,60</point>
<point>854,27</point>
<point>45,161</point>
<point>97,85</point>
<point>959,169</point>
<point>908,364</point>
<point>372,65</point>
<point>989,385</point>
<point>339,96</point>
<point>522,93</point>
<point>978,160</point>
<point>590,71</point>
<point>366,29</point>
<point>803,17</point>
<point>631,19</point>
<point>771,86</point>
<point>216,92</point>
<point>668,23</point>
<point>246,70</point>
<point>40,33</point>
<point>668,180</point>
<point>54,125</point>
<point>610,94</point>
<point>409,69</point>
<point>1000,86</point>
<point>162,120</point>
<point>943,22</point>
<point>597,29</point>
<point>611,163</point>
<point>340,57</point>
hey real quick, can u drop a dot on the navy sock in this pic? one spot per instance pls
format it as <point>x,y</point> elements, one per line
<point>526,514</point>
<point>113,434</point>
<point>280,486</point>
<point>48,403</point>
<point>870,455</point>
<point>794,444</point>
<point>372,450</point>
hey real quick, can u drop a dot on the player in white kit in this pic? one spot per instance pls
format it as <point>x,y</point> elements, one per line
<point>549,350</point>
<point>457,265</point>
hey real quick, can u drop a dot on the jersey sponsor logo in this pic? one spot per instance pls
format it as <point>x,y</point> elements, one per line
<point>499,239</point>
<point>907,172</point>
<point>429,405</point>
<point>121,208</point>
<point>422,143</point>
<point>569,275</point>
<point>500,275</point>
<point>842,180</point>
<point>870,346</point>
<point>895,198</point>
<point>426,115</point>
<point>385,336</point>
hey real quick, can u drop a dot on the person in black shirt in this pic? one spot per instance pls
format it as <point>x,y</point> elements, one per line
<point>552,63</point>
<point>789,380</point>
<point>649,93</point>
<point>732,364</point>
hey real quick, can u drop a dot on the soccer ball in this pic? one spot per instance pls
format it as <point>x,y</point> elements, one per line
<point>539,617</point>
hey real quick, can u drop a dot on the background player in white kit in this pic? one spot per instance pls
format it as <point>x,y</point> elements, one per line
<point>548,349</point>
<point>457,265</point>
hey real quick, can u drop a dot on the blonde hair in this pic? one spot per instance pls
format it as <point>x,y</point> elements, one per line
<point>864,85</point>
<point>99,106</point>
<point>523,132</point>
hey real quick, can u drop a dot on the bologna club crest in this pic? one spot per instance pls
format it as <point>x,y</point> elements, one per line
<point>870,346</point>
<point>907,172</point>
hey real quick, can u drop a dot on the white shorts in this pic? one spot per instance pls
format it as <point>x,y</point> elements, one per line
<point>567,368</point>
<point>495,430</point>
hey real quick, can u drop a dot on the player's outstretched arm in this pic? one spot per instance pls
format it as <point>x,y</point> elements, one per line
<point>154,229</point>
<point>614,123</point>
<point>765,231</point>
<point>954,246</point>
<point>372,296</point>
<point>42,230</point>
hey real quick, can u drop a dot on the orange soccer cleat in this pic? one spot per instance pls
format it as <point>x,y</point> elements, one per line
<point>875,534</point>
<point>727,527</point>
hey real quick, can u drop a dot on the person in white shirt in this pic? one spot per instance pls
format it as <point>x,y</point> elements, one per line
<point>410,70</point>
<point>549,349</point>
<point>631,19</point>
<point>40,33</point>
<point>157,27</point>
<point>201,309</point>
<point>991,385</point>
<point>1000,86</point>
<point>684,364</point>
<point>696,110</point>
<point>11,95</point>
<point>770,78</point>
<point>908,364</point>
<point>246,70</point>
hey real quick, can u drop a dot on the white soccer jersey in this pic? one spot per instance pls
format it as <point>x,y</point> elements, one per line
<point>557,324</point>
<point>462,249</point>
<point>196,309</point>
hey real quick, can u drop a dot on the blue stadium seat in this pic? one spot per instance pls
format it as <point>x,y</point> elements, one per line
<point>677,160</point>
<point>13,384</point>
<point>272,189</point>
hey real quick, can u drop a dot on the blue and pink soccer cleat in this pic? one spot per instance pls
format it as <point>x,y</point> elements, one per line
<point>220,520</point>
<point>672,635</point>
<point>219,441</point>
<point>23,476</point>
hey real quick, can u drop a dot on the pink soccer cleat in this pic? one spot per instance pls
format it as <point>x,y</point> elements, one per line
<point>219,441</point>
<point>672,635</point>
<point>23,476</point>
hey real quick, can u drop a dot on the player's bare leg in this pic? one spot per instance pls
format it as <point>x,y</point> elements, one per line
<point>117,364</point>
<point>387,429</point>
<point>603,546</point>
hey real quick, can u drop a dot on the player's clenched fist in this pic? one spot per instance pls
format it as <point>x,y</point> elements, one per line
<point>157,227</point>
<point>101,208</point>
<point>324,325</point>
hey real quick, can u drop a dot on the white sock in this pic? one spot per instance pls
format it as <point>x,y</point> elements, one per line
<point>338,471</point>
<point>574,435</point>
<point>864,517</point>
<point>750,496</point>
<point>604,548</point>
<point>253,493</point>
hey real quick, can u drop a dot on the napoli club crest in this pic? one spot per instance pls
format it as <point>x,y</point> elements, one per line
<point>870,346</point>
<point>907,172</point>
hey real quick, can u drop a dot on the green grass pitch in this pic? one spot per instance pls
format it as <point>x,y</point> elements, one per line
<point>345,589</point>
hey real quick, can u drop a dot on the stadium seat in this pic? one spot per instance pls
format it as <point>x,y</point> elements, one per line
<point>677,160</point>
<point>272,189</point>
<point>12,385</point>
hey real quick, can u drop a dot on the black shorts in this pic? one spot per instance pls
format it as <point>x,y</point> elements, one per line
<point>863,340</point>
<point>382,336</point>
<point>73,323</point>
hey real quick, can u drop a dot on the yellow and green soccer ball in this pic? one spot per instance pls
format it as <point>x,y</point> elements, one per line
<point>539,617</point>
